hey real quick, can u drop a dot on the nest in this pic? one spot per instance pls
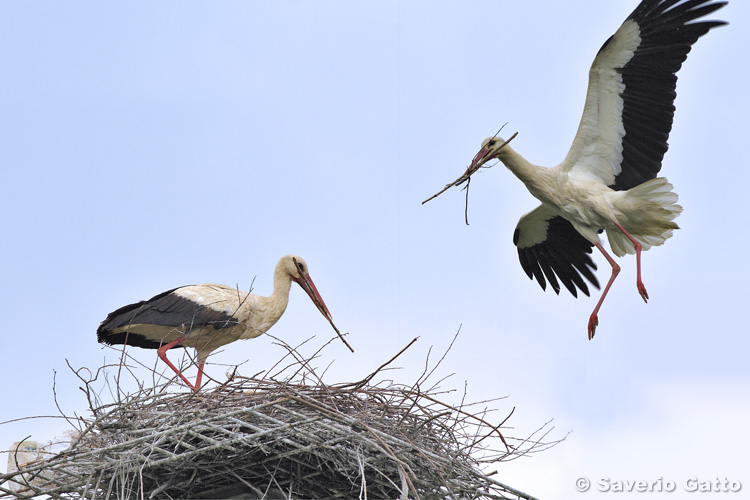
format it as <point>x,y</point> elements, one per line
<point>269,438</point>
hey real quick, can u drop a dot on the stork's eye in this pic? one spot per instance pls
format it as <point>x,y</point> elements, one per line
<point>491,143</point>
<point>301,267</point>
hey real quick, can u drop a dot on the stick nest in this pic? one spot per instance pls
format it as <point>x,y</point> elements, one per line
<point>266,438</point>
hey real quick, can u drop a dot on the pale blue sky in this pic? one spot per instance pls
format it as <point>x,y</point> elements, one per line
<point>150,145</point>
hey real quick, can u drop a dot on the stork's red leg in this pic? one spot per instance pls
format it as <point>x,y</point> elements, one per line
<point>162,351</point>
<point>637,245</point>
<point>198,378</point>
<point>594,318</point>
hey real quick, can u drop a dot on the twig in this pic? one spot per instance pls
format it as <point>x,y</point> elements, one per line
<point>466,205</point>
<point>466,175</point>
<point>367,379</point>
<point>339,334</point>
<point>54,397</point>
<point>450,346</point>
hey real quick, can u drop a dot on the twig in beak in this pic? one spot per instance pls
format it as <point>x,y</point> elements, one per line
<point>466,208</point>
<point>339,334</point>
<point>466,175</point>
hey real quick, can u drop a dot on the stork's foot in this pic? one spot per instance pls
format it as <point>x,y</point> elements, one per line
<point>593,323</point>
<point>642,291</point>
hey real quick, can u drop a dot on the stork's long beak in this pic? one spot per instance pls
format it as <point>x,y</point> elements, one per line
<point>481,158</point>
<point>308,286</point>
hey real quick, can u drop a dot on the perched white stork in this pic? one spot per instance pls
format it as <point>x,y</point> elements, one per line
<point>608,182</point>
<point>207,317</point>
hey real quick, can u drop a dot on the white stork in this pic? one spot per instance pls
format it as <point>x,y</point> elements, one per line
<point>608,182</point>
<point>207,317</point>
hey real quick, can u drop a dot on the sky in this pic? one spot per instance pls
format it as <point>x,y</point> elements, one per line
<point>145,146</point>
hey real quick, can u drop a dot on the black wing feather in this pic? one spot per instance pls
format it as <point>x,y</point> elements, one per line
<point>562,256</point>
<point>164,309</point>
<point>650,82</point>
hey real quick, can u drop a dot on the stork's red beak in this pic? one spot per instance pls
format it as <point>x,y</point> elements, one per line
<point>481,157</point>
<point>308,286</point>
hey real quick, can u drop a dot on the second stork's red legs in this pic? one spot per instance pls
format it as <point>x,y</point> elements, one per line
<point>637,245</point>
<point>594,318</point>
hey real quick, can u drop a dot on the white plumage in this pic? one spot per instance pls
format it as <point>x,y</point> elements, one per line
<point>206,317</point>
<point>607,181</point>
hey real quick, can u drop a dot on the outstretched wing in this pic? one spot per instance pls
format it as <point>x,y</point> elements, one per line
<point>549,246</point>
<point>629,107</point>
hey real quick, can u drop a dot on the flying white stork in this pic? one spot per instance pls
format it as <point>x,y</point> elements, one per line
<point>608,182</point>
<point>208,316</point>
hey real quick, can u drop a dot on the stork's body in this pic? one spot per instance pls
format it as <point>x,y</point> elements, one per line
<point>608,182</point>
<point>206,317</point>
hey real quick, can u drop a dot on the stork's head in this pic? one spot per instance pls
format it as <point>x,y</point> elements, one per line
<point>492,148</point>
<point>296,268</point>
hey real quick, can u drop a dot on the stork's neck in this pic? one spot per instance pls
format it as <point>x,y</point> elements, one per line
<point>538,179</point>
<point>266,311</point>
<point>282,283</point>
